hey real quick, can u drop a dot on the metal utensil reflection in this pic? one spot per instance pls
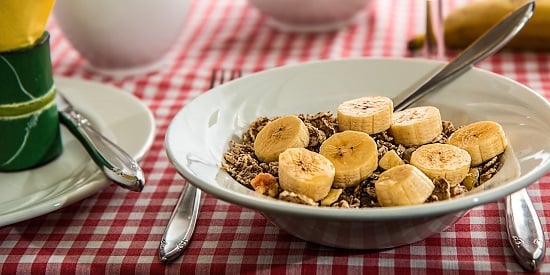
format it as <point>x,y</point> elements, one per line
<point>115,163</point>
<point>489,43</point>
<point>525,232</point>
<point>181,225</point>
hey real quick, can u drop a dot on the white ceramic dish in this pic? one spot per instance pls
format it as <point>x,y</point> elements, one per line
<point>125,37</point>
<point>74,176</point>
<point>200,133</point>
<point>311,15</point>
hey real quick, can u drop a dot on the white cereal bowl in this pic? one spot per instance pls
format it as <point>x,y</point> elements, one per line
<point>310,15</point>
<point>200,133</point>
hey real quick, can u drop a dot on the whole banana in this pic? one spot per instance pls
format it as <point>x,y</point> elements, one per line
<point>465,24</point>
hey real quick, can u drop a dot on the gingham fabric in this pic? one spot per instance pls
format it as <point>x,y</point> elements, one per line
<point>117,231</point>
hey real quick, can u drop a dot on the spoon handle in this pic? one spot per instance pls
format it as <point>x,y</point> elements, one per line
<point>524,229</point>
<point>490,42</point>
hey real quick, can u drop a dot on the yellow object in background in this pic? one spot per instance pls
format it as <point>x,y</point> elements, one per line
<point>22,22</point>
<point>465,24</point>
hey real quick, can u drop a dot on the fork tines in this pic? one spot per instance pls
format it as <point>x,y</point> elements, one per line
<point>219,76</point>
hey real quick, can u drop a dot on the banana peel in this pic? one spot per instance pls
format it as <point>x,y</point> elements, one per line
<point>465,24</point>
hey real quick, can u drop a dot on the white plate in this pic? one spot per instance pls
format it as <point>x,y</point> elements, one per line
<point>73,176</point>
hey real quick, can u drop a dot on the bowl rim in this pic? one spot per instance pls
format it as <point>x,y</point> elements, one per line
<point>269,205</point>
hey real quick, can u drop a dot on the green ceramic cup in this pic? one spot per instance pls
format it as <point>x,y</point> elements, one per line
<point>29,125</point>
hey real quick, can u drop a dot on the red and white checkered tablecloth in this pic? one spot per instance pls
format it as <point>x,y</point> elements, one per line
<point>116,231</point>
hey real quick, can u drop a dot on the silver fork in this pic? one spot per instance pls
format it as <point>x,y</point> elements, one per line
<point>181,225</point>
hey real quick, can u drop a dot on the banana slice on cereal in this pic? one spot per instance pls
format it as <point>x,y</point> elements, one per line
<point>483,140</point>
<point>370,114</point>
<point>305,172</point>
<point>390,159</point>
<point>278,135</point>
<point>332,197</point>
<point>403,185</point>
<point>353,154</point>
<point>442,161</point>
<point>416,126</point>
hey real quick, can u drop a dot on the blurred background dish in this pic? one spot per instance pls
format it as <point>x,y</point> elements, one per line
<point>310,15</point>
<point>122,37</point>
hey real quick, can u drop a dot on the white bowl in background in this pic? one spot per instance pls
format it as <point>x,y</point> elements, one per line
<point>310,15</point>
<point>123,37</point>
<point>200,133</point>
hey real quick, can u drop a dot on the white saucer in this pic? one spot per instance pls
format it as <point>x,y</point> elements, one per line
<point>73,176</point>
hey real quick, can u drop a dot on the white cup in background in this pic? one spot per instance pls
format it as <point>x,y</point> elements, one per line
<point>122,37</point>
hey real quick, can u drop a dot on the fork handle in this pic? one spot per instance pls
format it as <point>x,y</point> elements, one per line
<point>180,228</point>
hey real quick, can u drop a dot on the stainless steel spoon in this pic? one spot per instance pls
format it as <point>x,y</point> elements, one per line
<point>524,229</point>
<point>487,44</point>
<point>115,163</point>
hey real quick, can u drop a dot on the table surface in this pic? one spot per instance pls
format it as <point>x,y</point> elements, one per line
<point>109,232</point>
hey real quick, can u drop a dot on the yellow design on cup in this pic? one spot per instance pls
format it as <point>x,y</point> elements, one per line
<point>22,22</point>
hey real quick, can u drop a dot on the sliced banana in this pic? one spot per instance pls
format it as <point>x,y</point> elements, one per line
<point>416,126</point>
<point>442,161</point>
<point>332,197</point>
<point>353,154</point>
<point>305,172</point>
<point>472,179</point>
<point>390,159</point>
<point>370,114</point>
<point>403,185</point>
<point>278,135</point>
<point>483,140</point>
